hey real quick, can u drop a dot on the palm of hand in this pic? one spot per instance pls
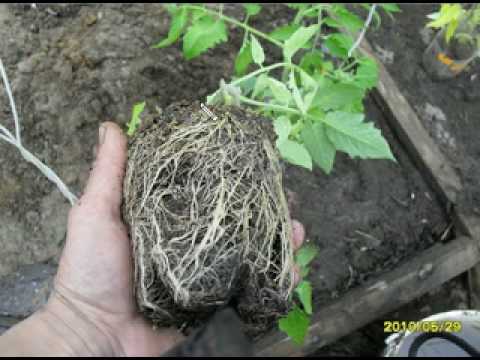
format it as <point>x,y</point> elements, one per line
<point>95,271</point>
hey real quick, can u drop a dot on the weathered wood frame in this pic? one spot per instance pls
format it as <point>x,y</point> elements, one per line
<point>421,274</point>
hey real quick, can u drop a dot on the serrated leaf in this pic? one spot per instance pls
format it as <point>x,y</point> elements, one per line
<point>338,44</point>
<point>257,51</point>
<point>331,22</point>
<point>298,39</point>
<point>318,145</point>
<point>334,96</point>
<point>350,134</point>
<point>295,153</point>
<point>448,13</point>
<point>279,91</point>
<point>282,127</point>
<point>348,19</point>
<point>252,9</point>
<point>135,119</point>
<point>295,325</point>
<point>243,59</point>
<point>311,61</point>
<point>305,255</point>
<point>452,26</point>
<point>179,21</point>
<point>366,75</point>
<point>282,33</point>
<point>202,35</point>
<point>304,292</point>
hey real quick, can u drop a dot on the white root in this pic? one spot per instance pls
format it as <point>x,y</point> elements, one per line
<point>208,217</point>
<point>16,141</point>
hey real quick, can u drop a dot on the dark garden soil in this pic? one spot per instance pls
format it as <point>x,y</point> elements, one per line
<point>448,109</point>
<point>74,66</point>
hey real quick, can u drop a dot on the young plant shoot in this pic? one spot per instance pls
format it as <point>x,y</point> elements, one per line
<point>314,96</point>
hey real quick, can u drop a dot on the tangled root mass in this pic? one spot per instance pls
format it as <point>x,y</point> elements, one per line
<point>208,219</point>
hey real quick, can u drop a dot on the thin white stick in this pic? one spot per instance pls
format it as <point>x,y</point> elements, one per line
<point>364,30</point>
<point>12,102</point>
<point>6,132</point>
<point>27,155</point>
<point>7,139</point>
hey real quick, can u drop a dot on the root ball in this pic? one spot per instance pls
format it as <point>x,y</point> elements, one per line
<point>208,219</point>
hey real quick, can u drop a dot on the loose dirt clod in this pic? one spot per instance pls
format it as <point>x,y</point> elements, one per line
<point>208,218</point>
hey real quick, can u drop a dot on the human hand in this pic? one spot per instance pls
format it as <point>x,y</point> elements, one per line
<point>92,307</point>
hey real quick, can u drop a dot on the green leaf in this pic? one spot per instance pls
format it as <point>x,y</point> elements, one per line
<point>447,14</point>
<point>366,75</point>
<point>279,91</point>
<point>257,51</point>
<point>338,44</point>
<point>282,127</point>
<point>297,6</point>
<point>305,255</point>
<point>260,85</point>
<point>243,59</point>
<point>297,97</point>
<point>135,120</point>
<point>451,30</point>
<point>348,19</point>
<point>198,14</point>
<point>247,86</point>
<point>304,292</point>
<point>252,9</point>
<point>318,145</point>
<point>295,153</point>
<point>391,8</point>
<point>350,134</point>
<point>179,21</point>
<point>298,39</point>
<point>295,325</point>
<point>282,33</point>
<point>308,82</point>
<point>204,34</point>
<point>309,98</point>
<point>331,22</point>
<point>334,96</point>
<point>311,61</point>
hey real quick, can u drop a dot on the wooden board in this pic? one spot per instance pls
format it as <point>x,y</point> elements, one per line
<point>421,274</point>
<point>408,127</point>
<point>362,305</point>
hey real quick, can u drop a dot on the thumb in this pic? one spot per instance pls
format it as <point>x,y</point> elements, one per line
<point>104,188</point>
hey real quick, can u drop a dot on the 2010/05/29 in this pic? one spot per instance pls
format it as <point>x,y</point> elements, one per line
<point>422,326</point>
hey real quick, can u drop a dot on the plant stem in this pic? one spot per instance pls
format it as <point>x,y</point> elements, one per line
<point>266,105</point>
<point>253,74</point>
<point>237,23</point>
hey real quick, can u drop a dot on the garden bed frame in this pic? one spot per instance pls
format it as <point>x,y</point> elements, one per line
<point>419,275</point>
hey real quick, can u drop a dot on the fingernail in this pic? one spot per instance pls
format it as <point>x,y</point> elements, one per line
<point>101,134</point>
